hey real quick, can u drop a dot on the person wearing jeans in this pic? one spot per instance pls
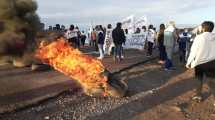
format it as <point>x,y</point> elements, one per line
<point>170,38</point>
<point>118,52</point>
<point>101,43</point>
<point>118,39</point>
<point>169,57</point>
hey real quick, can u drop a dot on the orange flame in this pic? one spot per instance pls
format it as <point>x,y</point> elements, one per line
<point>83,68</point>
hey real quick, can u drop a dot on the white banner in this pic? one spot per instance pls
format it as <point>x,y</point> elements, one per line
<point>142,21</point>
<point>132,23</point>
<point>135,41</point>
<point>129,23</point>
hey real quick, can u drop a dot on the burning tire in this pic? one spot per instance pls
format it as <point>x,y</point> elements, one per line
<point>88,71</point>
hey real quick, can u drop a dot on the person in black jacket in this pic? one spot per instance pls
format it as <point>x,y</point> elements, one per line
<point>160,39</point>
<point>118,39</point>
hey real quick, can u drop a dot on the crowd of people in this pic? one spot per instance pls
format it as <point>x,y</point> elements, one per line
<point>105,40</point>
<point>202,58</point>
<point>195,49</point>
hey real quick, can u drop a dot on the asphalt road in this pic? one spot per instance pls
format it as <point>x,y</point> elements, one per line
<point>154,94</point>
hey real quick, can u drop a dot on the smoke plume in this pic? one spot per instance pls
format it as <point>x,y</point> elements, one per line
<point>19,24</point>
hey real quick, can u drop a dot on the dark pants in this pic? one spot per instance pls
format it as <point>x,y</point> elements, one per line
<point>168,63</point>
<point>162,51</point>
<point>96,46</point>
<point>182,57</point>
<point>208,70</point>
<point>93,42</point>
<point>169,57</point>
<point>73,42</point>
<point>83,41</point>
<point>122,51</point>
<point>150,48</point>
<point>112,51</point>
<point>182,51</point>
<point>78,42</point>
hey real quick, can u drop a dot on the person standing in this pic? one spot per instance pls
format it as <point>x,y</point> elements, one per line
<point>188,44</point>
<point>89,38</point>
<point>170,37</point>
<point>118,39</point>
<point>62,28</point>
<point>83,38</point>
<point>162,51</point>
<point>144,32</point>
<point>78,40</point>
<point>138,30</point>
<point>126,31</point>
<point>151,35</point>
<point>184,39</point>
<point>108,40</point>
<point>124,43</point>
<point>93,38</point>
<point>101,42</point>
<point>143,29</point>
<point>50,28</point>
<point>155,41</point>
<point>71,35</point>
<point>202,58</point>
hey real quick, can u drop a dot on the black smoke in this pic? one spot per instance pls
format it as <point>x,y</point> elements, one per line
<point>19,24</point>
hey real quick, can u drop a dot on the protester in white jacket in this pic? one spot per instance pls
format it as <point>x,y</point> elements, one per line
<point>151,36</point>
<point>202,50</point>
<point>108,44</point>
<point>202,57</point>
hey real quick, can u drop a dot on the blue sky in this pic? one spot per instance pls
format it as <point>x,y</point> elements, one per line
<point>86,12</point>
